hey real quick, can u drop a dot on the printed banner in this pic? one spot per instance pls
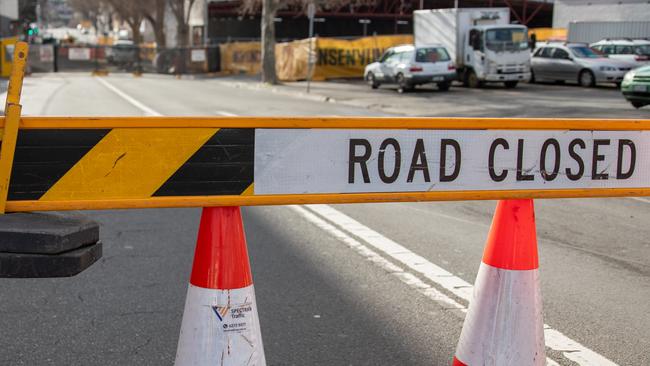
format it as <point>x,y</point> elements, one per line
<point>347,59</point>
<point>292,58</point>
<point>197,56</point>
<point>332,58</point>
<point>241,57</point>
<point>78,54</point>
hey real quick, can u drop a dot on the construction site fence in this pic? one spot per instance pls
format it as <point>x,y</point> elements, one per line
<point>123,58</point>
<point>322,58</point>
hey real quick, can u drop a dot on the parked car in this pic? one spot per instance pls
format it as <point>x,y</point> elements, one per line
<point>408,66</point>
<point>576,62</point>
<point>636,86</point>
<point>123,53</point>
<point>636,51</point>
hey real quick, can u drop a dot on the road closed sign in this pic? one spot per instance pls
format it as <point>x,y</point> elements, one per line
<point>127,162</point>
<point>345,161</point>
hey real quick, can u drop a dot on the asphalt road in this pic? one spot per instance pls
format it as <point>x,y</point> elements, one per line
<point>328,294</point>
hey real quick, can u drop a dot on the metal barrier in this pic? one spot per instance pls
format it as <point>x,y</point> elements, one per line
<point>123,58</point>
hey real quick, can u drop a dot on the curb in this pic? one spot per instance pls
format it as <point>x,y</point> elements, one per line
<point>277,90</point>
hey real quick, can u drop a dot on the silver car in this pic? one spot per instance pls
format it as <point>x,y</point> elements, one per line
<point>576,63</point>
<point>408,66</point>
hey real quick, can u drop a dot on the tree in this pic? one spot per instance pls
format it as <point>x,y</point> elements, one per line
<point>154,12</point>
<point>181,10</point>
<point>131,12</point>
<point>89,9</point>
<point>269,11</point>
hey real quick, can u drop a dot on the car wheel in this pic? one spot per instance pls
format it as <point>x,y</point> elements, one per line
<point>637,105</point>
<point>402,84</point>
<point>532,77</point>
<point>473,81</point>
<point>372,81</point>
<point>510,84</point>
<point>586,78</point>
<point>444,86</point>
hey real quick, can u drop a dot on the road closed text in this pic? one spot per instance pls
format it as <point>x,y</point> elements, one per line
<point>344,161</point>
<point>548,169</point>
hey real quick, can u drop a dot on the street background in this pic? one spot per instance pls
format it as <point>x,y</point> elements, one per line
<point>321,300</point>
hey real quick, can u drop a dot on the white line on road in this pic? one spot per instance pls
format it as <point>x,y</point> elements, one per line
<point>372,256</point>
<point>555,340</point>
<point>640,199</point>
<point>147,111</point>
<point>225,114</point>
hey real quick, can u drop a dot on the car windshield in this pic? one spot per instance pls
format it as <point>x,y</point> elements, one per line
<point>386,54</point>
<point>506,39</point>
<point>431,54</point>
<point>642,50</point>
<point>585,52</point>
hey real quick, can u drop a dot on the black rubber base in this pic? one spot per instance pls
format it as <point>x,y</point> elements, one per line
<point>66,264</point>
<point>45,233</point>
<point>37,245</point>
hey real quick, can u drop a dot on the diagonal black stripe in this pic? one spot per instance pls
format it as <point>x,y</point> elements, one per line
<point>222,166</point>
<point>44,156</point>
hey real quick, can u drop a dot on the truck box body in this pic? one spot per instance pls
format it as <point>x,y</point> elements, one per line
<point>590,32</point>
<point>448,26</point>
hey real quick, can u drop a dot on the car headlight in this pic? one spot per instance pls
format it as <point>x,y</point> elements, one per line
<point>629,76</point>
<point>607,68</point>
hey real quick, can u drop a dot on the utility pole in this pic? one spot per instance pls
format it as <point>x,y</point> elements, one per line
<point>311,12</point>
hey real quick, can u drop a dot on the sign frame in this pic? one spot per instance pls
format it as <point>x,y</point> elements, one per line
<point>247,198</point>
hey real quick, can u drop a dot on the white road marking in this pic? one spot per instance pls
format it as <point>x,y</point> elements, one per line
<point>555,340</point>
<point>640,199</point>
<point>372,256</point>
<point>147,111</point>
<point>225,114</point>
<point>550,362</point>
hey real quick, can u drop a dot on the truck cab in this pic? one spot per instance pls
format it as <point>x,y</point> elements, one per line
<point>484,45</point>
<point>495,53</point>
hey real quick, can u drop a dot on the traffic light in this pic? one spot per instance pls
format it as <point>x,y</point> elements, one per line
<point>30,30</point>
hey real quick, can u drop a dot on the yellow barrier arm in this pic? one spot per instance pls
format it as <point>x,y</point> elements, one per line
<point>12,120</point>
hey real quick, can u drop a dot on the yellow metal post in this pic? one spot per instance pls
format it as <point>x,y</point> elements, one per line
<point>12,120</point>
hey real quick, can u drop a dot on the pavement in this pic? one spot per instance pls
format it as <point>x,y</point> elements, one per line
<point>328,292</point>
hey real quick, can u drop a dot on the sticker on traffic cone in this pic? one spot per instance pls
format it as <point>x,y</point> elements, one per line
<point>220,323</point>
<point>503,326</point>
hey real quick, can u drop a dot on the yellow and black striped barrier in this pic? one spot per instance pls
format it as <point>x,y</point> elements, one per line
<point>70,163</point>
<point>101,163</point>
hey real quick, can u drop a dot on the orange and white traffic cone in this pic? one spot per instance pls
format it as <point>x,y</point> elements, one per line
<point>503,326</point>
<point>220,323</point>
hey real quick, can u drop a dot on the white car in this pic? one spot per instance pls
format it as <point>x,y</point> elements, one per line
<point>636,51</point>
<point>408,66</point>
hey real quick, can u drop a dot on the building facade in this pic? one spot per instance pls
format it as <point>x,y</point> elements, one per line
<point>566,11</point>
<point>8,17</point>
<point>226,21</point>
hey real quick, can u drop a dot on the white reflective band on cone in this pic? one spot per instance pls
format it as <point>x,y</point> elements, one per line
<point>503,326</point>
<point>220,327</point>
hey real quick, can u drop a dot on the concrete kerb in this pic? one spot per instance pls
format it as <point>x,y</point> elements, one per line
<point>277,89</point>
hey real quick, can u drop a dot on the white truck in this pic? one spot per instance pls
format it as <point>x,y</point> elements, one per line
<point>481,41</point>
